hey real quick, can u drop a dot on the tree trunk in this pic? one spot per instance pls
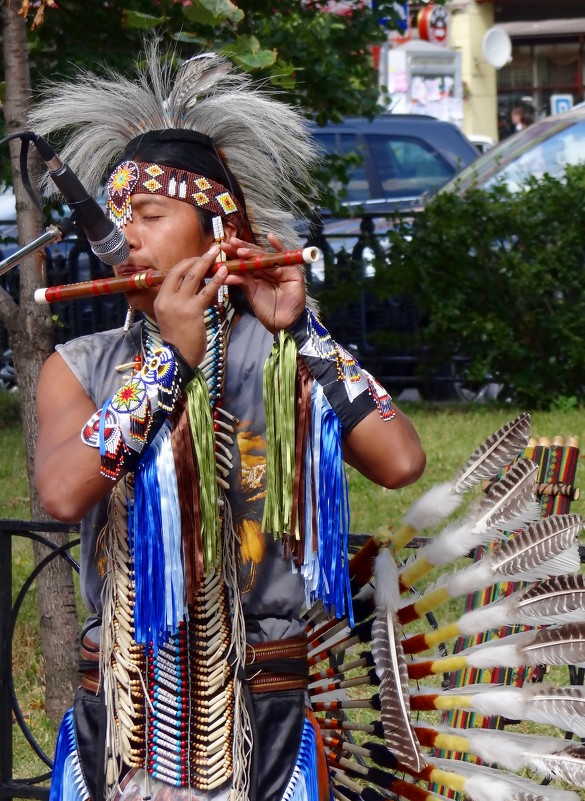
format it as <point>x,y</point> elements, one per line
<point>30,334</point>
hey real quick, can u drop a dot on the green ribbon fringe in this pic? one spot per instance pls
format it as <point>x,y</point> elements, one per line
<point>279,382</point>
<point>201,423</point>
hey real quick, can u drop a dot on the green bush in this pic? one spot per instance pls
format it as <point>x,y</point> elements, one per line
<point>10,415</point>
<point>499,278</point>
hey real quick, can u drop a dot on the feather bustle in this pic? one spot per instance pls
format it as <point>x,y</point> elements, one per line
<point>539,542</point>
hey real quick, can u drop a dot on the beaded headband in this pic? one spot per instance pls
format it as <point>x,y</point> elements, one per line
<point>134,177</point>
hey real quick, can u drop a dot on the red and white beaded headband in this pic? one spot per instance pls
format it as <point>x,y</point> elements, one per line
<point>136,177</point>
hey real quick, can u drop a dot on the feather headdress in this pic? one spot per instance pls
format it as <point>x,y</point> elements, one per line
<point>100,115</point>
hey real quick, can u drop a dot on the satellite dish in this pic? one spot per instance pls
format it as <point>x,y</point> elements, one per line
<point>497,47</point>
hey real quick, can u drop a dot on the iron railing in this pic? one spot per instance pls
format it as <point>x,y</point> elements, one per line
<point>350,251</point>
<point>36,787</point>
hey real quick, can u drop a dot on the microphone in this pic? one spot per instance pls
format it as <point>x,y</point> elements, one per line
<point>107,241</point>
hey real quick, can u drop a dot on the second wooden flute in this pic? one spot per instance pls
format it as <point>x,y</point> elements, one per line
<point>149,278</point>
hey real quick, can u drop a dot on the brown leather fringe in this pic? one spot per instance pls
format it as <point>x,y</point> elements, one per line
<point>302,434</point>
<point>188,489</point>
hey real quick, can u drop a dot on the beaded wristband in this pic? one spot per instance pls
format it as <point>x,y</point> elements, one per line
<point>351,390</point>
<point>128,422</point>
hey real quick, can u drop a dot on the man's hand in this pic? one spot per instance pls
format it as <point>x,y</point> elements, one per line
<point>277,294</point>
<point>182,301</point>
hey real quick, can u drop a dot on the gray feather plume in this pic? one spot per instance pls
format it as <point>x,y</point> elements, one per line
<point>99,115</point>
<point>496,453</point>
<point>196,77</point>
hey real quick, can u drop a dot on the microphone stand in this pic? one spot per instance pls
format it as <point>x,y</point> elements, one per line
<point>53,233</point>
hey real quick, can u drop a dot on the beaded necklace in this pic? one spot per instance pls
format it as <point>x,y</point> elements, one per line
<point>218,322</point>
<point>180,719</point>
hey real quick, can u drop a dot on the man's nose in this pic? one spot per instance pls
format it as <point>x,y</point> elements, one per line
<point>132,234</point>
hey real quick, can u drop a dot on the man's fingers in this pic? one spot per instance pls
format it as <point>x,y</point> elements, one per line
<point>193,269</point>
<point>217,280</point>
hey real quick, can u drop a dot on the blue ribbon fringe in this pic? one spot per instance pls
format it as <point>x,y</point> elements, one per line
<point>67,782</point>
<point>157,550</point>
<point>303,784</point>
<point>333,513</point>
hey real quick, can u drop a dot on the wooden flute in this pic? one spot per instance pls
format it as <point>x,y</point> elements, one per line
<point>150,278</point>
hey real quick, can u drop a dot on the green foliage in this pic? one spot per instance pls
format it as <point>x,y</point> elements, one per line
<point>9,410</point>
<point>140,21</point>
<point>321,61</point>
<point>316,60</point>
<point>212,12</point>
<point>498,277</point>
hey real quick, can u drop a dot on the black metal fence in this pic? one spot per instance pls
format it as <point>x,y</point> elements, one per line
<point>68,262</point>
<point>382,334</point>
<point>10,605</point>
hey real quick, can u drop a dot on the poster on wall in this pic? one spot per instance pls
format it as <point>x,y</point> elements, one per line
<point>422,78</point>
<point>435,95</point>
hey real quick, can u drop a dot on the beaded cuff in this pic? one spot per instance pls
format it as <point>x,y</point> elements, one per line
<point>128,422</point>
<point>352,392</point>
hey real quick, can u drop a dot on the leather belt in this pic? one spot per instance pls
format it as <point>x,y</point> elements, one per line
<point>277,665</point>
<point>292,648</point>
<point>270,666</point>
<point>90,680</point>
<point>89,656</point>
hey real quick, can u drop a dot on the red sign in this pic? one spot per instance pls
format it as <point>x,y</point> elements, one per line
<point>433,23</point>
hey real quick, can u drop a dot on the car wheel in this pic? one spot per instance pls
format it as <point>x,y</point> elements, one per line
<point>473,392</point>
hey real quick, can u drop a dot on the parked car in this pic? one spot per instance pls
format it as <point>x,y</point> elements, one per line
<point>547,146</point>
<point>405,158</point>
<point>481,142</point>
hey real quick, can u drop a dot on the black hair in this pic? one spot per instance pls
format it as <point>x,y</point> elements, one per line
<point>186,150</point>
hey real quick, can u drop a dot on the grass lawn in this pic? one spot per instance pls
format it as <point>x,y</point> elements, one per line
<point>449,435</point>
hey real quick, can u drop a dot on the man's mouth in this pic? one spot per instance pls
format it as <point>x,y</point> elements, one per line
<point>130,269</point>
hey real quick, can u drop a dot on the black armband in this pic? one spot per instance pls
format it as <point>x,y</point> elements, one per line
<point>185,373</point>
<point>350,390</point>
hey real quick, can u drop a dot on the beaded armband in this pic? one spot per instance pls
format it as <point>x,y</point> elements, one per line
<point>128,422</point>
<point>352,392</point>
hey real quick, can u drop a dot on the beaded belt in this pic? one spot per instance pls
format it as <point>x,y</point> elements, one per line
<point>270,666</point>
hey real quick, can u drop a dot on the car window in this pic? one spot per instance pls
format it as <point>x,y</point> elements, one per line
<point>549,156</point>
<point>358,188</point>
<point>408,166</point>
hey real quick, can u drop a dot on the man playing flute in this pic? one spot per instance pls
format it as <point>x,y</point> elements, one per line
<point>201,447</point>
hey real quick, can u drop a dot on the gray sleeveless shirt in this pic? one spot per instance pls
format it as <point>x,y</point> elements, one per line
<point>272,592</point>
